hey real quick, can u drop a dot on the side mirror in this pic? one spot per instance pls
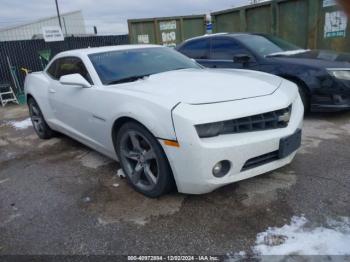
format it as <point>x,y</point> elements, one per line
<point>74,80</point>
<point>243,59</point>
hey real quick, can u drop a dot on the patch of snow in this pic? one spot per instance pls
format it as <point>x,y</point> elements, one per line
<point>115,185</point>
<point>238,256</point>
<point>10,219</point>
<point>93,160</point>
<point>120,173</point>
<point>139,221</point>
<point>299,239</point>
<point>3,142</point>
<point>19,125</point>
<point>50,142</point>
<point>87,199</point>
<point>4,180</point>
<point>102,221</point>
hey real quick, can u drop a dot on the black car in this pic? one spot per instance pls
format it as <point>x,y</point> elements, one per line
<point>323,77</point>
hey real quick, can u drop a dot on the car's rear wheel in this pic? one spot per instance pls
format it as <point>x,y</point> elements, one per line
<point>143,160</point>
<point>39,123</point>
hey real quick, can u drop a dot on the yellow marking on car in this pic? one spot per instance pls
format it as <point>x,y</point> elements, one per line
<point>171,143</point>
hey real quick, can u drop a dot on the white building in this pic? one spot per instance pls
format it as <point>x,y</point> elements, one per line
<point>72,24</point>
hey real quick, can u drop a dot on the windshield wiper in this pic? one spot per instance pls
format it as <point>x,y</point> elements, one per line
<point>127,79</point>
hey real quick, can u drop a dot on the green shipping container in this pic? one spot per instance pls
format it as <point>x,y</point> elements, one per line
<point>317,24</point>
<point>168,31</point>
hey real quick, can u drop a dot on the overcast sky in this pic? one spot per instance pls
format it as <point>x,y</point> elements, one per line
<point>108,15</point>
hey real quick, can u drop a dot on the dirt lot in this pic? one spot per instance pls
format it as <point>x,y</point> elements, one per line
<point>59,197</point>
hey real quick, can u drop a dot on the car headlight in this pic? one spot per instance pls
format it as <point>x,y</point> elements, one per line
<point>270,120</point>
<point>340,74</point>
<point>209,130</point>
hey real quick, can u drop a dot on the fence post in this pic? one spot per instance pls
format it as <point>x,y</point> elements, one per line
<point>313,23</point>
<point>157,35</point>
<point>243,19</point>
<point>274,17</point>
<point>182,29</point>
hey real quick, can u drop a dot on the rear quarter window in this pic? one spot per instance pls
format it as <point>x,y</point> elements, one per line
<point>196,49</point>
<point>68,65</point>
<point>226,49</point>
<point>52,69</point>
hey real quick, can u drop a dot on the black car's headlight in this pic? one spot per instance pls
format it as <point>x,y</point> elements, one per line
<point>340,74</point>
<point>210,130</point>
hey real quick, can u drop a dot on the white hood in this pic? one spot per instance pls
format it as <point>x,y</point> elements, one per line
<point>200,86</point>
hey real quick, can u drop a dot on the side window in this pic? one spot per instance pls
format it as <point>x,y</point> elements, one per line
<point>226,49</point>
<point>52,69</point>
<point>196,49</point>
<point>72,65</point>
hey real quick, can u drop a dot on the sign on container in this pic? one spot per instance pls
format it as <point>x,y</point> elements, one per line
<point>335,24</point>
<point>143,39</point>
<point>168,33</point>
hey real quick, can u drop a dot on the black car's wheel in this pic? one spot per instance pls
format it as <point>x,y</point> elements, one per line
<point>304,98</point>
<point>143,160</point>
<point>302,92</point>
<point>39,123</point>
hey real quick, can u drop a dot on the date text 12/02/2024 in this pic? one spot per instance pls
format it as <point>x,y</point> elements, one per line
<point>174,258</point>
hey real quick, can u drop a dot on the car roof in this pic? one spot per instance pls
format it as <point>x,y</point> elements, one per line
<point>221,34</point>
<point>93,50</point>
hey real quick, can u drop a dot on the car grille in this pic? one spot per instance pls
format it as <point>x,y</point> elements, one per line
<point>260,160</point>
<point>271,120</point>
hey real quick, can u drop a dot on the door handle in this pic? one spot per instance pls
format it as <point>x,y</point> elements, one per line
<point>52,91</point>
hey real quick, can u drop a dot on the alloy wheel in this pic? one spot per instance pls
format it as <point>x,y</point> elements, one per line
<point>139,160</point>
<point>37,119</point>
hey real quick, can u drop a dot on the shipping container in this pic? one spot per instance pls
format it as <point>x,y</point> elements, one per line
<point>168,31</point>
<point>317,24</point>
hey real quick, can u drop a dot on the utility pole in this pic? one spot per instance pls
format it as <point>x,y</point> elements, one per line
<point>58,14</point>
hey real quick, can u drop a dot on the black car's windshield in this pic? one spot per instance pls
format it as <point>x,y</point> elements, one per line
<point>267,45</point>
<point>130,65</point>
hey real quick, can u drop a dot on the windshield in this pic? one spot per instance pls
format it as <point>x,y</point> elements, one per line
<point>117,66</point>
<point>267,45</point>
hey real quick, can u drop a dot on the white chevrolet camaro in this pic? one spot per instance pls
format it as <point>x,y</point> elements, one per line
<point>167,120</point>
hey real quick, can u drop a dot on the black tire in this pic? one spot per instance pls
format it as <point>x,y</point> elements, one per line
<point>304,98</point>
<point>143,160</point>
<point>40,126</point>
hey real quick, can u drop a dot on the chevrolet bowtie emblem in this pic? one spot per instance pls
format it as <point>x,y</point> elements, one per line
<point>284,118</point>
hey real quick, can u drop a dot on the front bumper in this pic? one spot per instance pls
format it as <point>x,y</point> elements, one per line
<point>193,161</point>
<point>332,96</point>
<point>330,103</point>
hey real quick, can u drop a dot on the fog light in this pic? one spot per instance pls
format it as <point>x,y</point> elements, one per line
<point>337,99</point>
<point>221,168</point>
<point>217,169</point>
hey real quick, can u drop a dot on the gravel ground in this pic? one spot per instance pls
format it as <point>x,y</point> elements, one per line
<point>59,197</point>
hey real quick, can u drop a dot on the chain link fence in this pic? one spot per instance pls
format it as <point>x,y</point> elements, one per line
<point>18,56</point>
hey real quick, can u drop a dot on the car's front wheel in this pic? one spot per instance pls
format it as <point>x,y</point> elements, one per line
<point>40,126</point>
<point>143,160</point>
<point>305,98</point>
